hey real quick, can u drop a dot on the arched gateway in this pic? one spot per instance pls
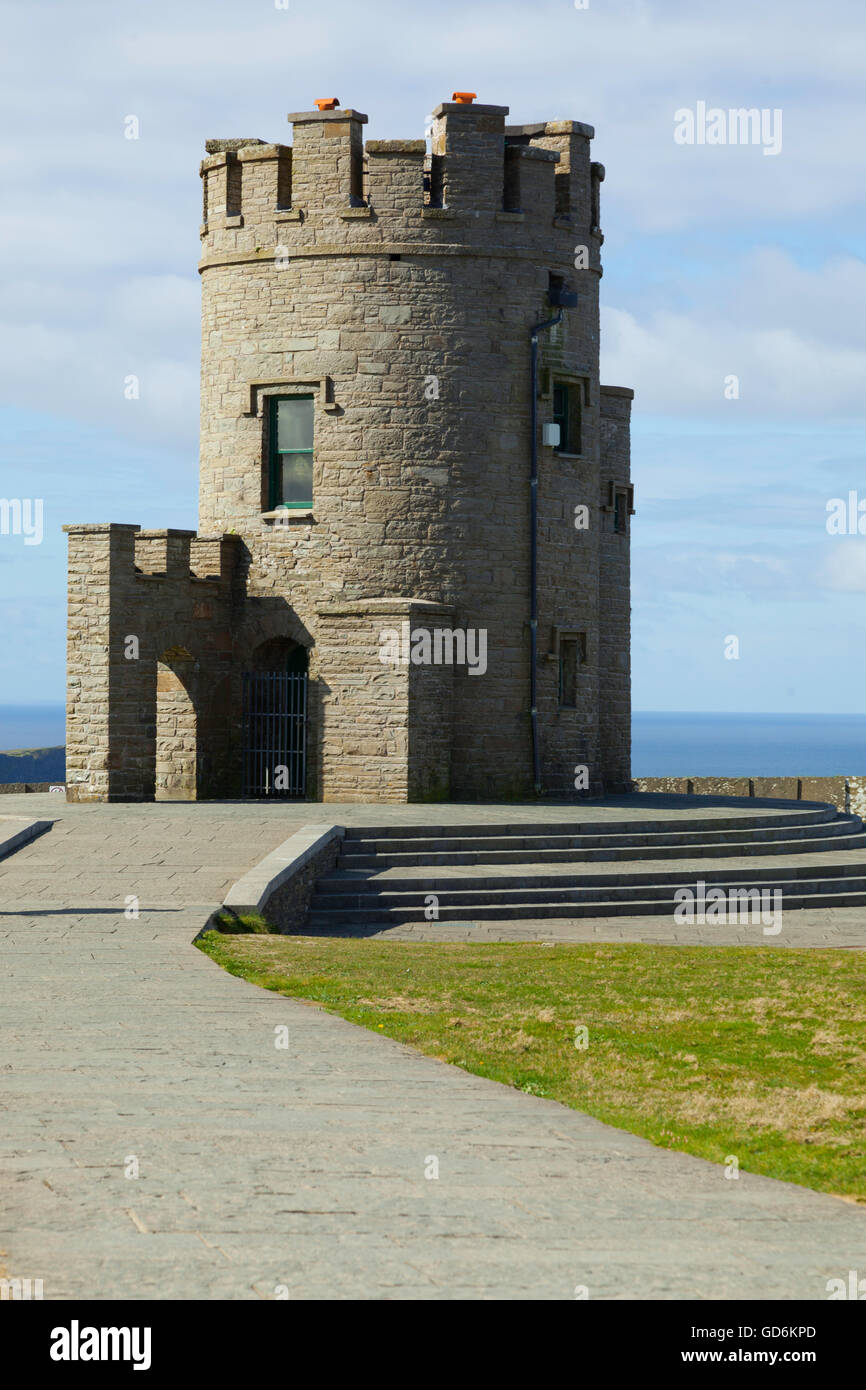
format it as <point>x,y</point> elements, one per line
<point>274,721</point>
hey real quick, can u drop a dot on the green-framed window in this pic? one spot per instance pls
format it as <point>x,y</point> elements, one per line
<point>290,438</point>
<point>561,413</point>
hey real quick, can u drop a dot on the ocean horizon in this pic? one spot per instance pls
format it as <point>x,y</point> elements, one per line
<point>699,744</point>
<point>670,743</point>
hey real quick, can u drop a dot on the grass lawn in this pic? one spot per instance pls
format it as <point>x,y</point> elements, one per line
<point>716,1051</point>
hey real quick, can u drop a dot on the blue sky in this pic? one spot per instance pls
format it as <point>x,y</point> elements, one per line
<point>718,261</point>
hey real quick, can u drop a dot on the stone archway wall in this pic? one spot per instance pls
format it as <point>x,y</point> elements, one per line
<point>146,607</point>
<point>264,635</point>
<point>176,727</point>
<point>278,654</point>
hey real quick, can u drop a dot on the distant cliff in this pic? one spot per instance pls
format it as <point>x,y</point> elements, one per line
<point>33,765</point>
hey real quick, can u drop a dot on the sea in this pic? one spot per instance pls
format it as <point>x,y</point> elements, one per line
<point>677,744</point>
<point>668,744</point>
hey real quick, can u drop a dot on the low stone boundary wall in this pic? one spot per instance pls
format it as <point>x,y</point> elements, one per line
<point>281,885</point>
<point>11,788</point>
<point>845,793</point>
<point>16,831</point>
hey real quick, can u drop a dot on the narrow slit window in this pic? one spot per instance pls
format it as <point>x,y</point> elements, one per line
<point>568,414</point>
<point>561,414</point>
<point>569,660</point>
<point>291,452</point>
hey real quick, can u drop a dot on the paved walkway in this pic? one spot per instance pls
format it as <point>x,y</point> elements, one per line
<point>303,1168</point>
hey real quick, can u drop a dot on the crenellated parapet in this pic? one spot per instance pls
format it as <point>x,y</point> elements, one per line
<point>482,184</point>
<point>469,142</point>
<point>395,172</point>
<point>173,554</point>
<point>240,177</point>
<point>570,142</point>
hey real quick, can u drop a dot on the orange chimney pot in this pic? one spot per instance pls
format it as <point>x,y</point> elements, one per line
<point>464,98</point>
<point>327,103</point>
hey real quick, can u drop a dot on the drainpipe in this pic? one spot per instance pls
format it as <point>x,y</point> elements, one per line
<point>533,546</point>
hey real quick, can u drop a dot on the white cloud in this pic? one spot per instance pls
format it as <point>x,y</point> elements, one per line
<point>75,361</point>
<point>790,336</point>
<point>760,571</point>
<point>844,569</point>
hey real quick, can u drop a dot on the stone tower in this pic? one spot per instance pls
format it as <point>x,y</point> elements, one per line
<point>371,508</point>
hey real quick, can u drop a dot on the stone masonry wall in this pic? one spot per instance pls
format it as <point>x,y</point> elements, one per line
<point>149,654</point>
<point>389,724</point>
<point>287,908</point>
<point>845,793</point>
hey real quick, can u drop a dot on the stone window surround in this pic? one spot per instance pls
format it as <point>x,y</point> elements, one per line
<point>610,506</point>
<point>550,375</point>
<point>580,637</point>
<point>559,634</point>
<point>323,401</point>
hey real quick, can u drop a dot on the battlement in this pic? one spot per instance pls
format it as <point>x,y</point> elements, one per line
<point>576,185</point>
<point>123,551</point>
<point>328,188</point>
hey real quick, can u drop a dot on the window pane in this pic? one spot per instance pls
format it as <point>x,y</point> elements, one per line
<point>294,424</point>
<point>575,423</point>
<point>561,415</point>
<point>295,479</point>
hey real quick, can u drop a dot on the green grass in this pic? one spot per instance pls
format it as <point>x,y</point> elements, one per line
<point>242,924</point>
<point>757,1053</point>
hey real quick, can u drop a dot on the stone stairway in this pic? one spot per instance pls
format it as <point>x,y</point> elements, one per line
<point>814,854</point>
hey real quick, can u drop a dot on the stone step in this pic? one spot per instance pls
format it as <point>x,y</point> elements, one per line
<point>843,825</point>
<point>802,813</point>
<point>631,876</point>
<point>636,907</point>
<point>532,893</point>
<point>814,855</point>
<point>850,839</point>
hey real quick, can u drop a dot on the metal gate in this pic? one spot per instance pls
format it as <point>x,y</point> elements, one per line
<point>274,734</point>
